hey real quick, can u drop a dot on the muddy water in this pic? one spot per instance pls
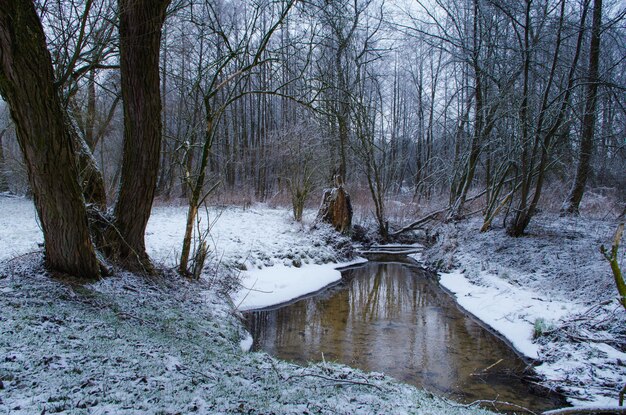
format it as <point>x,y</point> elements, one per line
<point>392,318</point>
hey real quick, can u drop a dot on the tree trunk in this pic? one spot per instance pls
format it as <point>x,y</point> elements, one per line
<point>583,168</point>
<point>456,209</point>
<point>4,184</point>
<point>140,38</point>
<point>336,209</point>
<point>91,178</point>
<point>90,122</point>
<point>26,83</point>
<point>525,211</point>
<point>195,199</point>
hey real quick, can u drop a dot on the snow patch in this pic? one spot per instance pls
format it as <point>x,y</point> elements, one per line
<point>265,287</point>
<point>246,343</point>
<point>510,310</point>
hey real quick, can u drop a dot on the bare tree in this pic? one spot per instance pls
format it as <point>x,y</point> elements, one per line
<point>301,163</point>
<point>537,141</point>
<point>571,205</point>
<point>26,82</point>
<point>56,156</point>
<point>140,39</point>
<point>231,67</point>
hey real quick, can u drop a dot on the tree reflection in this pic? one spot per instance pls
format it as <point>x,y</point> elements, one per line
<point>393,318</point>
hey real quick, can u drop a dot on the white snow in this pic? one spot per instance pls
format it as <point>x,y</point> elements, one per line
<point>246,343</point>
<point>279,284</point>
<point>19,230</point>
<point>510,310</point>
<point>257,237</point>
<point>254,238</point>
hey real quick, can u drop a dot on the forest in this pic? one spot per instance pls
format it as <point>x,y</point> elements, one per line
<point>474,127</point>
<point>430,104</point>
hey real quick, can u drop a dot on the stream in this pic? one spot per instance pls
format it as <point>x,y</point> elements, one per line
<point>394,318</point>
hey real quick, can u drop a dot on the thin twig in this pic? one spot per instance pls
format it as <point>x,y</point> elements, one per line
<point>496,402</point>
<point>354,382</point>
<point>482,372</point>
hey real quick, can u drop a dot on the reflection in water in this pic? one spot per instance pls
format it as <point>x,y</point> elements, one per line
<point>392,318</point>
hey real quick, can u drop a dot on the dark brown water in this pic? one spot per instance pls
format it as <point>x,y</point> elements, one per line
<point>393,318</point>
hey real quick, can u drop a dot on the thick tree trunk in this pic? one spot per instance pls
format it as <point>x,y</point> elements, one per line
<point>4,184</point>
<point>26,83</point>
<point>140,37</point>
<point>583,168</point>
<point>336,209</point>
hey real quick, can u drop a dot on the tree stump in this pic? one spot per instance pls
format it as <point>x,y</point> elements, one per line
<point>336,209</point>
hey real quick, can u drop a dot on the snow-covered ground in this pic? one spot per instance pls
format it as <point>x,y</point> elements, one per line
<point>550,293</point>
<point>138,345</point>
<point>278,258</point>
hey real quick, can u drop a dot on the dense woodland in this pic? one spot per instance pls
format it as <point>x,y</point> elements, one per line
<point>457,107</point>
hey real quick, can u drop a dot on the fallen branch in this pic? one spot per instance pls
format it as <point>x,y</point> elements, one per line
<point>494,403</point>
<point>597,410</point>
<point>418,222</point>
<point>482,372</point>
<point>433,215</point>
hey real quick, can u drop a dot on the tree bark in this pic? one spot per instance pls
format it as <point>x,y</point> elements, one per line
<point>140,37</point>
<point>197,187</point>
<point>571,205</point>
<point>26,83</point>
<point>4,184</point>
<point>336,209</point>
<point>90,120</point>
<point>90,176</point>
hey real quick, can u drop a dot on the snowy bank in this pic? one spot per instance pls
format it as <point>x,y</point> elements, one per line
<point>550,294</point>
<point>279,284</point>
<point>508,309</point>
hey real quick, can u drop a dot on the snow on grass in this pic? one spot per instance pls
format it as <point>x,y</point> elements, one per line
<point>550,293</point>
<point>134,345</point>
<point>277,258</point>
<point>19,230</point>
<point>249,240</point>
<point>254,238</point>
<point>139,345</point>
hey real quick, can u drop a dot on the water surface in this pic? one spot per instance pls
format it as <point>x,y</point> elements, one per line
<point>393,318</point>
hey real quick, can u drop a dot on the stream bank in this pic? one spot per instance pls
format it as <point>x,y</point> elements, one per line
<point>394,317</point>
<point>550,293</point>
